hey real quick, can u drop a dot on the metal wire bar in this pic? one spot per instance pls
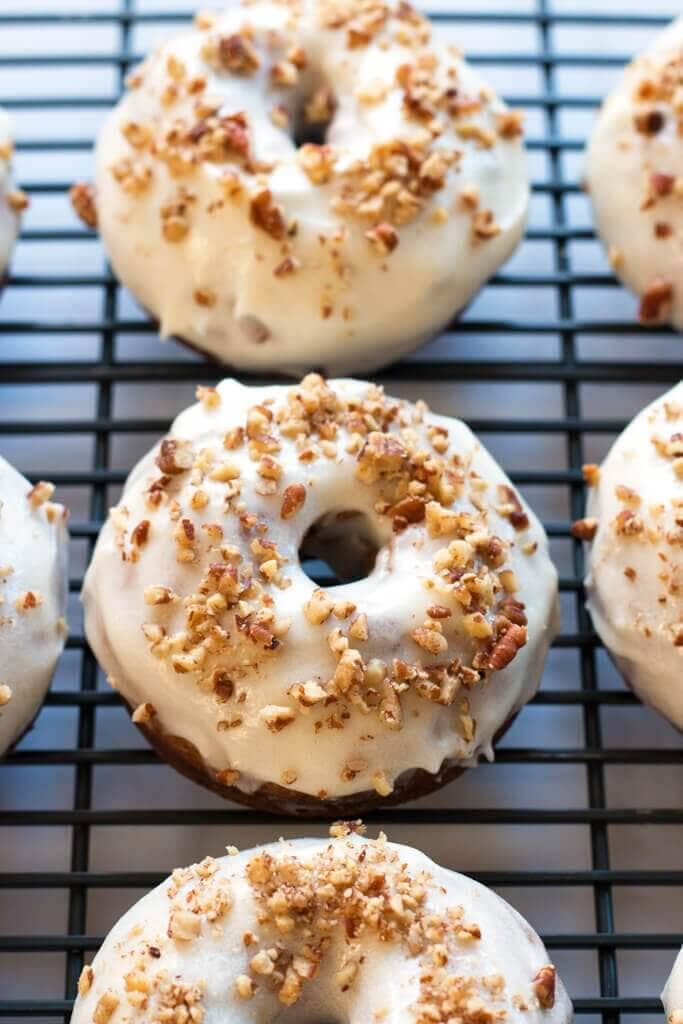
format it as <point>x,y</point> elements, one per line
<point>570,372</point>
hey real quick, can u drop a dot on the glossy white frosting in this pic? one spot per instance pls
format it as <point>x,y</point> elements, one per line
<point>635,579</point>
<point>641,229</point>
<point>33,551</point>
<point>500,966</point>
<point>9,220</point>
<point>395,597</point>
<point>346,308</point>
<point>672,996</point>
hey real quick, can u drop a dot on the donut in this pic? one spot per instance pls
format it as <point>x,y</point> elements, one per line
<point>278,692</point>
<point>343,928</point>
<point>672,996</point>
<point>634,181</point>
<point>33,587</point>
<point>634,527</point>
<point>316,185</point>
<point>12,200</point>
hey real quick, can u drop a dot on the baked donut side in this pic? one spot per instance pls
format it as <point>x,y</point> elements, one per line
<point>672,996</point>
<point>199,610</point>
<point>634,182</point>
<point>12,200</point>
<point>342,929</point>
<point>411,784</point>
<point>33,590</point>
<point>269,250</point>
<point>635,561</point>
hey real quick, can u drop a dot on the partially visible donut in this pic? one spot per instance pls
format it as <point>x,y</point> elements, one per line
<point>33,588</point>
<point>672,996</point>
<point>12,200</point>
<point>634,179</point>
<point>635,564</point>
<point>247,676</point>
<point>269,251</point>
<point>343,929</point>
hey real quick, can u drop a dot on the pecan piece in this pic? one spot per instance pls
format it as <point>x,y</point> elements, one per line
<point>267,215</point>
<point>516,513</point>
<point>649,122</point>
<point>292,500</point>
<point>506,647</point>
<point>584,529</point>
<point>383,237</point>
<point>654,300</point>
<point>236,54</point>
<point>174,457</point>
<point>544,986</point>
<point>82,197</point>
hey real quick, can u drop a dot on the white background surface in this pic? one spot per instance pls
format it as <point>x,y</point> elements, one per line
<point>469,847</point>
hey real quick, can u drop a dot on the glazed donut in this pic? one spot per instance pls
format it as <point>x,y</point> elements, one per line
<point>635,563</point>
<point>672,996</point>
<point>273,691</point>
<point>269,251</point>
<point>343,929</point>
<point>33,585</point>
<point>634,179</point>
<point>12,200</point>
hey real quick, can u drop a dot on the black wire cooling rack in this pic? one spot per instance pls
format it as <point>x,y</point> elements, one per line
<point>583,808</point>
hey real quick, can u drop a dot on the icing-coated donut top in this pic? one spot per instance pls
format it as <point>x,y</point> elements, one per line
<point>634,177</point>
<point>672,996</point>
<point>198,607</point>
<point>267,252</point>
<point>12,200</point>
<point>635,583</point>
<point>341,929</point>
<point>32,597</point>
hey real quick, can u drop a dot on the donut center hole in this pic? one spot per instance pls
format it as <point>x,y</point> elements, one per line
<point>339,547</point>
<point>314,113</point>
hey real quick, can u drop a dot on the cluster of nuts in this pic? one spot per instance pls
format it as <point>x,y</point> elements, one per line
<point>366,892</point>
<point>389,188</point>
<point>227,625</point>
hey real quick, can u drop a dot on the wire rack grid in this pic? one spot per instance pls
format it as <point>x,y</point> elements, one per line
<point>580,820</point>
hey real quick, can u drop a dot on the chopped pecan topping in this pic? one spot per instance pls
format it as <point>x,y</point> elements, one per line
<point>649,122</point>
<point>513,510</point>
<point>505,649</point>
<point>237,55</point>
<point>661,184</point>
<point>383,237</point>
<point>267,215</point>
<point>591,474</point>
<point>544,987</point>
<point>627,524</point>
<point>655,301</point>
<point>82,196</point>
<point>174,457</point>
<point>292,501</point>
<point>584,529</point>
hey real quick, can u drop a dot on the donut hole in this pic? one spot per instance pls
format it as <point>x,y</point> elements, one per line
<point>339,547</point>
<point>314,112</point>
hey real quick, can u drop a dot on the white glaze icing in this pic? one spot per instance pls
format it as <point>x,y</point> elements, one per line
<point>33,541</point>
<point>635,580</point>
<point>9,220</point>
<point>500,966</point>
<point>395,597</point>
<point>641,228</point>
<point>672,996</point>
<point>347,307</point>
